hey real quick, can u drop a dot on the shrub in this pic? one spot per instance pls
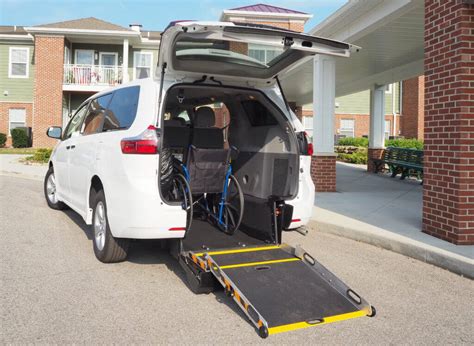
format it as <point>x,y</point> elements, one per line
<point>3,139</point>
<point>42,155</point>
<point>19,138</point>
<point>354,142</point>
<point>405,143</point>
<point>359,157</point>
<point>399,143</point>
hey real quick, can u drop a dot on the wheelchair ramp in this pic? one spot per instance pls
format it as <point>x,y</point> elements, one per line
<point>281,288</point>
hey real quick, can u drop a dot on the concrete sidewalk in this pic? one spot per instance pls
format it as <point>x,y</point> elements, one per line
<point>11,165</point>
<point>385,212</point>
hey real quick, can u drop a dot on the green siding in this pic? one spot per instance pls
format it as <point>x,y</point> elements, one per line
<point>19,89</point>
<point>359,103</point>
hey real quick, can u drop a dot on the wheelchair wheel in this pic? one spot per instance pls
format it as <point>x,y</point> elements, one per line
<point>180,191</point>
<point>233,208</point>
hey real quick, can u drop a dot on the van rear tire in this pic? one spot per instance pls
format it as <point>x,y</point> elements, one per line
<point>107,248</point>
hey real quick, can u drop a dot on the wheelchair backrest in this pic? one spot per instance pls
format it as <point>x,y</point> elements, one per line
<point>207,160</point>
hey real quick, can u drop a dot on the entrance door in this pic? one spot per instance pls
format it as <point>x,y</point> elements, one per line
<point>108,67</point>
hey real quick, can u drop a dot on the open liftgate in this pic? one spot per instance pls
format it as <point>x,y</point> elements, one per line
<point>281,288</point>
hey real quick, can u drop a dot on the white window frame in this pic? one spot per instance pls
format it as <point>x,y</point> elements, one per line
<point>27,49</point>
<point>263,48</point>
<point>346,129</point>
<point>388,133</point>
<point>9,120</point>
<point>67,55</point>
<point>84,50</point>
<point>135,62</point>
<point>308,120</point>
<point>388,88</point>
<point>101,54</point>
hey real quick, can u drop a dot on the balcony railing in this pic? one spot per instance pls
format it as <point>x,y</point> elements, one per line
<point>96,75</point>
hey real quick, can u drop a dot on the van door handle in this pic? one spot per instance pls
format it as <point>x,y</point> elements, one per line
<point>73,146</point>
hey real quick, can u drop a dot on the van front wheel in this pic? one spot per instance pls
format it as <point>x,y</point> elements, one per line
<point>107,249</point>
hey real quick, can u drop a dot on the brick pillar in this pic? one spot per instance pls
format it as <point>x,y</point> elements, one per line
<point>373,154</point>
<point>323,172</point>
<point>413,107</point>
<point>48,95</point>
<point>448,185</point>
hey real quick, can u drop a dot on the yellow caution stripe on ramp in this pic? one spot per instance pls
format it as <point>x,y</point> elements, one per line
<point>251,264</point>
<point>325,320</point>
<point>225,252</point>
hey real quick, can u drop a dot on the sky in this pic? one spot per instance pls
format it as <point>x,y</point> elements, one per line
<point>152,14</point>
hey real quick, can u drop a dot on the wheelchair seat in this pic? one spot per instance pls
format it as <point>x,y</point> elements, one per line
<point>207,160</point>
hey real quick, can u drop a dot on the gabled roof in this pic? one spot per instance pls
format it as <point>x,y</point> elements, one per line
<point>12,30</point>
<point>90,23</point>
<point>266,8</point>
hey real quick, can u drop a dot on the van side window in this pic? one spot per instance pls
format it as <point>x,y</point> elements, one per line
<point>75,122</point>
<point>122,109</point>
<point>258,114</point>
<point>93,121</point>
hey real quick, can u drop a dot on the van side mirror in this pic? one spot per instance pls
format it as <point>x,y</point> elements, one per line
<point>54,132</point>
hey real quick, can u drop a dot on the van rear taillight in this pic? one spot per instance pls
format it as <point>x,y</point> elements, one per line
<point>145,143</point>
<point>306,147</point>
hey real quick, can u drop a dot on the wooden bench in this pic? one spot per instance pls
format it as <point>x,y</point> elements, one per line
<point>402,161</point>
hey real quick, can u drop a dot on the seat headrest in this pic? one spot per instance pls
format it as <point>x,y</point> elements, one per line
<point>205,117</point>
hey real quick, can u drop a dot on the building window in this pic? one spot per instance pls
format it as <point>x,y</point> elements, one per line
<point>388,88</point>
<point>347,127</point>
<point>308,126</point>
<point>142,65</point>
<point>263,53</point>
<point>84,57</point>
<point>19,67</point>
<point>388,127</point>
<point>16,118</point>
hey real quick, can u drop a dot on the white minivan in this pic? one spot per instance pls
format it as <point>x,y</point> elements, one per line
<point>113,157</point>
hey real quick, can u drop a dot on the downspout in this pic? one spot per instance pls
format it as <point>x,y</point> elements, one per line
<point>394,113</point>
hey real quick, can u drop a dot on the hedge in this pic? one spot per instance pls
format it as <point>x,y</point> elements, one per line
<point>354,141</point>
<point>405,143</point>
<point>19,138</point>
<point>357,157</point>
<point>3,139</point>
<point>399,143</point>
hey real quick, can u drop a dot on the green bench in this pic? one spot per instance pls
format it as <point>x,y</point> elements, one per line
<point>402,161</point>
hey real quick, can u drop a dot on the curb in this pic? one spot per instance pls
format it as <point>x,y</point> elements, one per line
<point>412,248</point>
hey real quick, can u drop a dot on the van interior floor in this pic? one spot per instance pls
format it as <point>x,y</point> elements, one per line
<point>205,236</point>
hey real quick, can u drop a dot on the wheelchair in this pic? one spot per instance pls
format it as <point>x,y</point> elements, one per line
<point>203,179</point>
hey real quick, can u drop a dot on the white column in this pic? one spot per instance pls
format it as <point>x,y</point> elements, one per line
<point>377,117</point>
<point>125,76</point>
<point>324,90</point>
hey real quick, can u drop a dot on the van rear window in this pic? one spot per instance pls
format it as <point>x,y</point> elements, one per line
<point>122,109</point>
<point>258,114</point>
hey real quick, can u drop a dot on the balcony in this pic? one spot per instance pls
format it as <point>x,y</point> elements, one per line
<point>91,77</point>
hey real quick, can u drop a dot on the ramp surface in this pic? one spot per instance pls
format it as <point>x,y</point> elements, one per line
<point>280,289</point>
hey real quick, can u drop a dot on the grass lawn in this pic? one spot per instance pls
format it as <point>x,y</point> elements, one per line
<point>24,151</point>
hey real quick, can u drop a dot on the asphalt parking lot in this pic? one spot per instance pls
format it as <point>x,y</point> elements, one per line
<point>53,290</point>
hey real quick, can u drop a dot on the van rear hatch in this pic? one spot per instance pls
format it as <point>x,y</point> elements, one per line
<point>241,51</point>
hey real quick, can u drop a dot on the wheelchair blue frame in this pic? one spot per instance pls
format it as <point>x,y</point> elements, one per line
<point>219,217</point>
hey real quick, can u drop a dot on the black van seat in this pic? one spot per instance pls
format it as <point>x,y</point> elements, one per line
<point>207,159</point>
<point>177,134</point>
